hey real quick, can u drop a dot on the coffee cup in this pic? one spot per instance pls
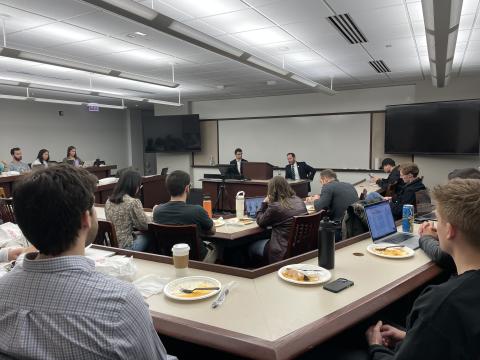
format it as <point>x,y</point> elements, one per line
<point>180,258</point>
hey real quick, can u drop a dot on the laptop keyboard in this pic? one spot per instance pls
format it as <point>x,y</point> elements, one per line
<point>398,238</point>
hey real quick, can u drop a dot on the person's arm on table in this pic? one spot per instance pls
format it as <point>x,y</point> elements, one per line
<point>430,245</point>
<point>139,218</point>
<point>206,224</point>
<point>266,216</point>
<point>325,199</point>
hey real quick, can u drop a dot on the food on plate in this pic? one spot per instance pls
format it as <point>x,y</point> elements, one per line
<point>246,221</point>
<point>299,275</point>
<point>391,251</point>
<point>196,293</point>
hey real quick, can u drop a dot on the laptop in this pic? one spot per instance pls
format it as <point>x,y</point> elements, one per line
<point>252,205</point>
<point>383,229</point>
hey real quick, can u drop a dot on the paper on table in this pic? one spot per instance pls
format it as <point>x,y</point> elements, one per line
<point>97,254</point>
<point>150,284</point>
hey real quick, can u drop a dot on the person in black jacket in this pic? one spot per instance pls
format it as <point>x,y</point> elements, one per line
<point>444,322</point>
<point>388,166</point>
<point>298,170</point>
<point>236,167</point>
<point>406,195</point>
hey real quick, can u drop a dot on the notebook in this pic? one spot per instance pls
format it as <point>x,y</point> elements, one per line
<point>383,229</point>
<point>252,205</point>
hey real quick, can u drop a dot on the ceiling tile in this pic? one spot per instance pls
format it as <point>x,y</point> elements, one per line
<point>266,36</point>
<point>238,21</point>
<point>290,11</point>
<point>204,8</point>
<point>54,9</point>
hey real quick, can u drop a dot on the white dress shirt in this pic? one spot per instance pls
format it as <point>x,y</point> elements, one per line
<point>296,174</point>
<point>239,166</point>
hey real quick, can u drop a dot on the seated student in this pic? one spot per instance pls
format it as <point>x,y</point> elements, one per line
<point>277,211</point>
<point>16,164</point>
<point>428,233</point>
<point>72,157</point>
<point>237,163</point>
<point>57,304</point>
<point>126,213</point>
<point>393,172</point>
<point>3,166</point>
<point>406,195</point>
<point>298,170</point>
<point>336,196</point>
<point>178,212</point>
<point>42,159</point>
<point>444,322</point>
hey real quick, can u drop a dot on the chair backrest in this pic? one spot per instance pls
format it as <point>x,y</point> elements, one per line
<point>165,236</point>
<point>304,234</point>
<point>2,192</point>
<point>423,202</point>
<point>106,234</point>
<point>6,210</point>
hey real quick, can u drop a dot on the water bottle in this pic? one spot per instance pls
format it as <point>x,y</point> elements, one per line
<point>240,204</point>
<point>212,162</point>
<point>207,205</point>
<point>326,244</point>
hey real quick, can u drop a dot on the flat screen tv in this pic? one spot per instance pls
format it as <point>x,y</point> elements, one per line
<point>449,127</point>
<point>176,133</point>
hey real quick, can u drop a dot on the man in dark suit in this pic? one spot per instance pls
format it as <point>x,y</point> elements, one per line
<point>298,170</point>
<point>237,163</point>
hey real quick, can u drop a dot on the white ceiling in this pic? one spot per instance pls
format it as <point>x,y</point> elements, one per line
<point>292,31</point>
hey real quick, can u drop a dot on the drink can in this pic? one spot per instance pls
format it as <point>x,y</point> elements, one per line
<point>407,218</point>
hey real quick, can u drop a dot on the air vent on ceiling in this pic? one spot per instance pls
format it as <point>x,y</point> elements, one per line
<point>347,28</point>
<point>379,66</point>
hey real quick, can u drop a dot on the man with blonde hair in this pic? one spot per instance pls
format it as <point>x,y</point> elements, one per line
<point>444,322</point>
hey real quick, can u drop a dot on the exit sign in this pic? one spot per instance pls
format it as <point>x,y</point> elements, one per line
<point>93,107</point>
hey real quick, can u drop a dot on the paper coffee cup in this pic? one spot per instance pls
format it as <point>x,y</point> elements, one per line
<point>180,258</point>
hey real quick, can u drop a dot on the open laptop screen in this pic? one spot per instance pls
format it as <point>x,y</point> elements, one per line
<point>380,219</point>
<point>252,205</point>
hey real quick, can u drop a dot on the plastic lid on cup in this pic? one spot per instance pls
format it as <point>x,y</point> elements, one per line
<point>180,249</point>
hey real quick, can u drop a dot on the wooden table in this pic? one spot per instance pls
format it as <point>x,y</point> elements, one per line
<point>101,172</point>
<point>265,317</point>
<point>251,187</point>
<point>153,191</point>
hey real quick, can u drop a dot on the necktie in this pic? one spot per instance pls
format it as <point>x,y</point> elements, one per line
<point>293,172</point>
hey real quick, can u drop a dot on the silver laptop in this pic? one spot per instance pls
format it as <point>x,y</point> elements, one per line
<point>383,229</point>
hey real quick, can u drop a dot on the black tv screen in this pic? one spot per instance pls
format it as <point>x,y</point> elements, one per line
<point>450,127</point>
<point>176,133</point>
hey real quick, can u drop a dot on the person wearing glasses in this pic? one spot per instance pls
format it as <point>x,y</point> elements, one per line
<point>178,212</point>
<point>126,213</point>
<point>236,167</point>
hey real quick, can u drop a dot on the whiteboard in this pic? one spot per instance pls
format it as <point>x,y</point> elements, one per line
<point>328,141</point>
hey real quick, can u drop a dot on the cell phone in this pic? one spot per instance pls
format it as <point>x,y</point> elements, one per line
<point>338,285</point>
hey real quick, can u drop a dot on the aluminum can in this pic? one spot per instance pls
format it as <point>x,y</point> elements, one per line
<point>407,218</point>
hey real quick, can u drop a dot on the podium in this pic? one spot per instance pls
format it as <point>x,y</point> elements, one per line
<point>258,170</point>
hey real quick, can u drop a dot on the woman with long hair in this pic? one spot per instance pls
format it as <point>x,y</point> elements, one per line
<point>72,157</point>
<point>277,211</point>
<point>42,159</point>
<point>126,213</point>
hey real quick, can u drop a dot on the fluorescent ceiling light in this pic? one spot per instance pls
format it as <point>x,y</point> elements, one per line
<point>134,8</point>
<point>13,97</point>
<point>184,32</point>
<point>302,80</point>
<point>442,20</point>
<point>75,65</point>
<point>55,101</point>
<point>268,66</point>
<point>108,106</point>
<point>50,60</point>
<point>170,103</point>
<point>204,38</point>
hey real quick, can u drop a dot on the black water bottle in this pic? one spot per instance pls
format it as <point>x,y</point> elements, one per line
<point>326,244</point>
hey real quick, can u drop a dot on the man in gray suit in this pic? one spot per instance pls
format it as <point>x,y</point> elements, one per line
<point>336,196</point>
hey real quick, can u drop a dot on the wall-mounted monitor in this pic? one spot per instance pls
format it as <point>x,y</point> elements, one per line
<point>176,133</point>
<point>442,128</point>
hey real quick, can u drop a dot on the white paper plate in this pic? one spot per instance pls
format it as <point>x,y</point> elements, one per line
<point>370,248</point>
<point>172,289</point>
<point>323,275</point>
<point>219,222</point>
